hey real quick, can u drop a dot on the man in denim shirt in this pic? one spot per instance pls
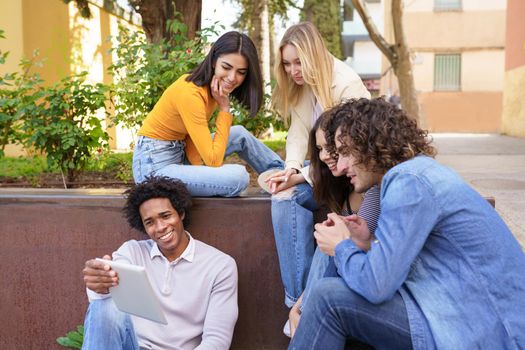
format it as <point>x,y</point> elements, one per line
<point>442,270</point>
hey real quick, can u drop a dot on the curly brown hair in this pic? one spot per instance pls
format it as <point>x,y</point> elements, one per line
<point>156,187</point>
<point>379,134</point>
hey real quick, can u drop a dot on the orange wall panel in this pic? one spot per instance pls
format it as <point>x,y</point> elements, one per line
<point>515,45</point>
<point>476,112</point>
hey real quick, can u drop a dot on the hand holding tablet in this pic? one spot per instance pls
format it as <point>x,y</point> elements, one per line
<point>134,293</point>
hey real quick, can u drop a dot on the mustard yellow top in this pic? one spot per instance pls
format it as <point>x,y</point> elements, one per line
<point>182,113</point>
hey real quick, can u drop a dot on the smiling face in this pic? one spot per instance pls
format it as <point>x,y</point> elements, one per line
<point>361,178</point>
<point>164,226</point>
<point>324,154</point>
<point>231,70</point>
<point>292,64</point>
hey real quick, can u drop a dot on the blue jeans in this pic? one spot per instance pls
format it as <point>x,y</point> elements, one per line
<point>167,158</point>
<point>335,314</point>
<point>320,262</point>
<point>106,327</point>
<point>292,219</point>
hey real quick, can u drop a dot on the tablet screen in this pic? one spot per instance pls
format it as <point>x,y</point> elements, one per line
<point>134,293</point>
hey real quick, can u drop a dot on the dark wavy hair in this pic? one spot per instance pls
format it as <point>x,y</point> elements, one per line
<point>250,92</point>
<point>379,134</point>
<point>328,190</point>
<point>156,187</point>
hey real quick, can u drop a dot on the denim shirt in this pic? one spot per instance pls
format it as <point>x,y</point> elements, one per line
<point>441,245</point>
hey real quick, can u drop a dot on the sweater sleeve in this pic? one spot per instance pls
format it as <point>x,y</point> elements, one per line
<point>349,84</point>
<point>222,312</point>
<point>192,154</point>
<point>408,215</point>
<point>296,143</point>
<point>192,107</point>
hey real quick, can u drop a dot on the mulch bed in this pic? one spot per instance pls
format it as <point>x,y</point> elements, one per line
<point>48,180</point>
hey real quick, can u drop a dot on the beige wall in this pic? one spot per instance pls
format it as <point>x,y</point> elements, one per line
<point>482,70</point>
<point>37,25</point>
<point>423,67</point>
<point>11,23</point>
<point>513,118</point>
<point>467,5</point>
<point>455,30</point>
<point>462,111</point>
<point>45,26</point>
<point>514,103</point>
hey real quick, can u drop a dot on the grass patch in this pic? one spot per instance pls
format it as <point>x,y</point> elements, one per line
<point>21,167</point>
<point>278,142</point>
<point>118,164</point>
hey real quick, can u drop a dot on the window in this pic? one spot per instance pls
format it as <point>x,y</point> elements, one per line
<point>447,72</point>
<point>447,5</point>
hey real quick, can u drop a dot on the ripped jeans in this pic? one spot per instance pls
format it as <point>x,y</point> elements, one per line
<point>167,158</point>
<point>293,219</point>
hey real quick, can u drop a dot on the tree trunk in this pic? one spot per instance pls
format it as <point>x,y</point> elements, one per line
<point>398,55</point>
<point>403,68</point>
<point>272,45</point>
<point>259,32</point>
<point>265,46</point>
<point>191,15</point>
<point>326,16</point>
<point>155,14</point>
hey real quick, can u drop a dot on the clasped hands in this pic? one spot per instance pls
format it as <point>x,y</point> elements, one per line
<point>284,179</point>
<point>337,228</point>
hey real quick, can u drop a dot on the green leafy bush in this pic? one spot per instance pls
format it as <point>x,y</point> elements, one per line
<point>265,118</point>
<point>68,130</point>
<point>73,339</point>
<point>19,93</point>
<point>144,70</point>
<point>119,164</point>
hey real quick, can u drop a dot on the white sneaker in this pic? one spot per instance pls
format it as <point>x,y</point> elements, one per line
<point>262,178</point>
<point>286,329</point>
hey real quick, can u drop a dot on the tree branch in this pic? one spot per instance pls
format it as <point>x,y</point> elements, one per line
<point>397,22</point>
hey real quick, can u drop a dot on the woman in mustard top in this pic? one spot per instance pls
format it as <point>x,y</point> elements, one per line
<point>175,139</point>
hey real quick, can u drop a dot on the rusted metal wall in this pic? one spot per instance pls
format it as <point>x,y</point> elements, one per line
<point>46,238</point>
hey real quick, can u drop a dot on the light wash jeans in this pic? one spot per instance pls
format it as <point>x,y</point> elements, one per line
<point>292,219</point>
<point>320,262</point>
<point>167,158</point>
<point>336,315</point>
<point>106,327</point>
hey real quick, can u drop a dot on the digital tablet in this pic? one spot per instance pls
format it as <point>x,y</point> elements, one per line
<point>134,293</point>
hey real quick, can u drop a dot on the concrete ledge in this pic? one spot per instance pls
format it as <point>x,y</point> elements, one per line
<point>47,235</point>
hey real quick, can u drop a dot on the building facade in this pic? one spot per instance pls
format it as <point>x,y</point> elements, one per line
<point>458,51</point>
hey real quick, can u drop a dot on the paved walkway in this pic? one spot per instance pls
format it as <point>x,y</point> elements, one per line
<point>495,166</point>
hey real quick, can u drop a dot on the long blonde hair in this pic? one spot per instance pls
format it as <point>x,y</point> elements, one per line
<point>317,66</point>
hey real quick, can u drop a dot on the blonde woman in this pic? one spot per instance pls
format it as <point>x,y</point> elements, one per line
<point>310,80</point>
